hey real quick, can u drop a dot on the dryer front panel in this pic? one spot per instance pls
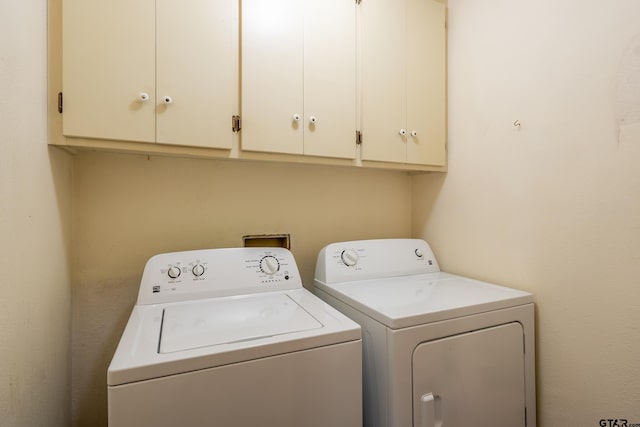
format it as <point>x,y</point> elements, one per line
<point>471,379</point>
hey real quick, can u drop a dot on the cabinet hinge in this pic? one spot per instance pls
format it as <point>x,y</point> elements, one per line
<point>358,137</point>
<point>60,102</point>
<point>236,123</point>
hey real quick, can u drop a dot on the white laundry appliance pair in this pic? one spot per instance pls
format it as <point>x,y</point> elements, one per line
<point>439,350</point>
<point>229,337</point>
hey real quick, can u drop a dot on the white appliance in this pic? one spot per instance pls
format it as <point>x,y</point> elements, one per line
<point>229,337</point>
<point>438,349</point>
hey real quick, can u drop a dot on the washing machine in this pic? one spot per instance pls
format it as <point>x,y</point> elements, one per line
<point>438,349</point>
<point>229,337</point>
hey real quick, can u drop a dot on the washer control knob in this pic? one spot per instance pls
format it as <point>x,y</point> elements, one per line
<point>419,253</point>
<point>349,257</point>
<point>198,270</point>
<point>174,272</point>
<point>269,265</point>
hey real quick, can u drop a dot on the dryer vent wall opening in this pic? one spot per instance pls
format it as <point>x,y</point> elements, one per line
<point>267,241</point>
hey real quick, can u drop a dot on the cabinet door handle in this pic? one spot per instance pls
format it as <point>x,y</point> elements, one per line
<point>414,133</point>
<point>403,132</point>
<point>313,119</point>
<point>142,96</point>
<point>167,100</point>
<point>296,117</point>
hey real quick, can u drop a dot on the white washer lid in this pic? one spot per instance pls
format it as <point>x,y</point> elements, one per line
<point>137,357</point>
<point>404,301</point>
<point>209,323</point>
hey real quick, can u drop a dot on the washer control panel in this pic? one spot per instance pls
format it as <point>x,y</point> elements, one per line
<point>211,273</point>
<point>369,259</point>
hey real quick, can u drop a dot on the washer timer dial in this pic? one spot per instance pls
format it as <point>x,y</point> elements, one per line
<point>174,272</point>
<point>269,265</point>
<point>198,270</point>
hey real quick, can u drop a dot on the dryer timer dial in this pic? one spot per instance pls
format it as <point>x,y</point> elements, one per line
<point>349,257</point>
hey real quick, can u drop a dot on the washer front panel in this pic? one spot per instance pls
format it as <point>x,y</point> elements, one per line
<point>319,387</point>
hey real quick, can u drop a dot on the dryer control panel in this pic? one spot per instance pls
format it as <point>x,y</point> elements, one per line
<point>210,273</point>
<point>371,259</point>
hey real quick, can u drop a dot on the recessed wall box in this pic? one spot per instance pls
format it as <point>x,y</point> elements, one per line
<point>267,240</point>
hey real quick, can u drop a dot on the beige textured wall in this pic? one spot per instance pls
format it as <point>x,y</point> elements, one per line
<point>128,208</point>
<point>35,214</point>
<point>554,206</point>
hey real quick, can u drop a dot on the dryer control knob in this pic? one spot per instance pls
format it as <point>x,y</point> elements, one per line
<point>269,265</point>
<point>198,270</point>
<point>349,257</point>
<point>174,272</point>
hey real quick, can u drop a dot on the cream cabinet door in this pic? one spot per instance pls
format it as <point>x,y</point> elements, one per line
<point>403,46</point>
<point>109,69</point>
<point>426,82</point>
<point>298,77</point>
<point>330,78</point>
<point>272,79</point>
<point>196,73</point>
<point>150,70</point>
<point>383,55</point>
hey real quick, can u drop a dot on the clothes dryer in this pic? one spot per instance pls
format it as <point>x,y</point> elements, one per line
<point>229,337</point>
<point>438,349</point>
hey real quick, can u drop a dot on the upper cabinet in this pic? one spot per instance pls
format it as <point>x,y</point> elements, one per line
<point>299,77</point>
<point>150,71</point>
<point>403,54</point>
